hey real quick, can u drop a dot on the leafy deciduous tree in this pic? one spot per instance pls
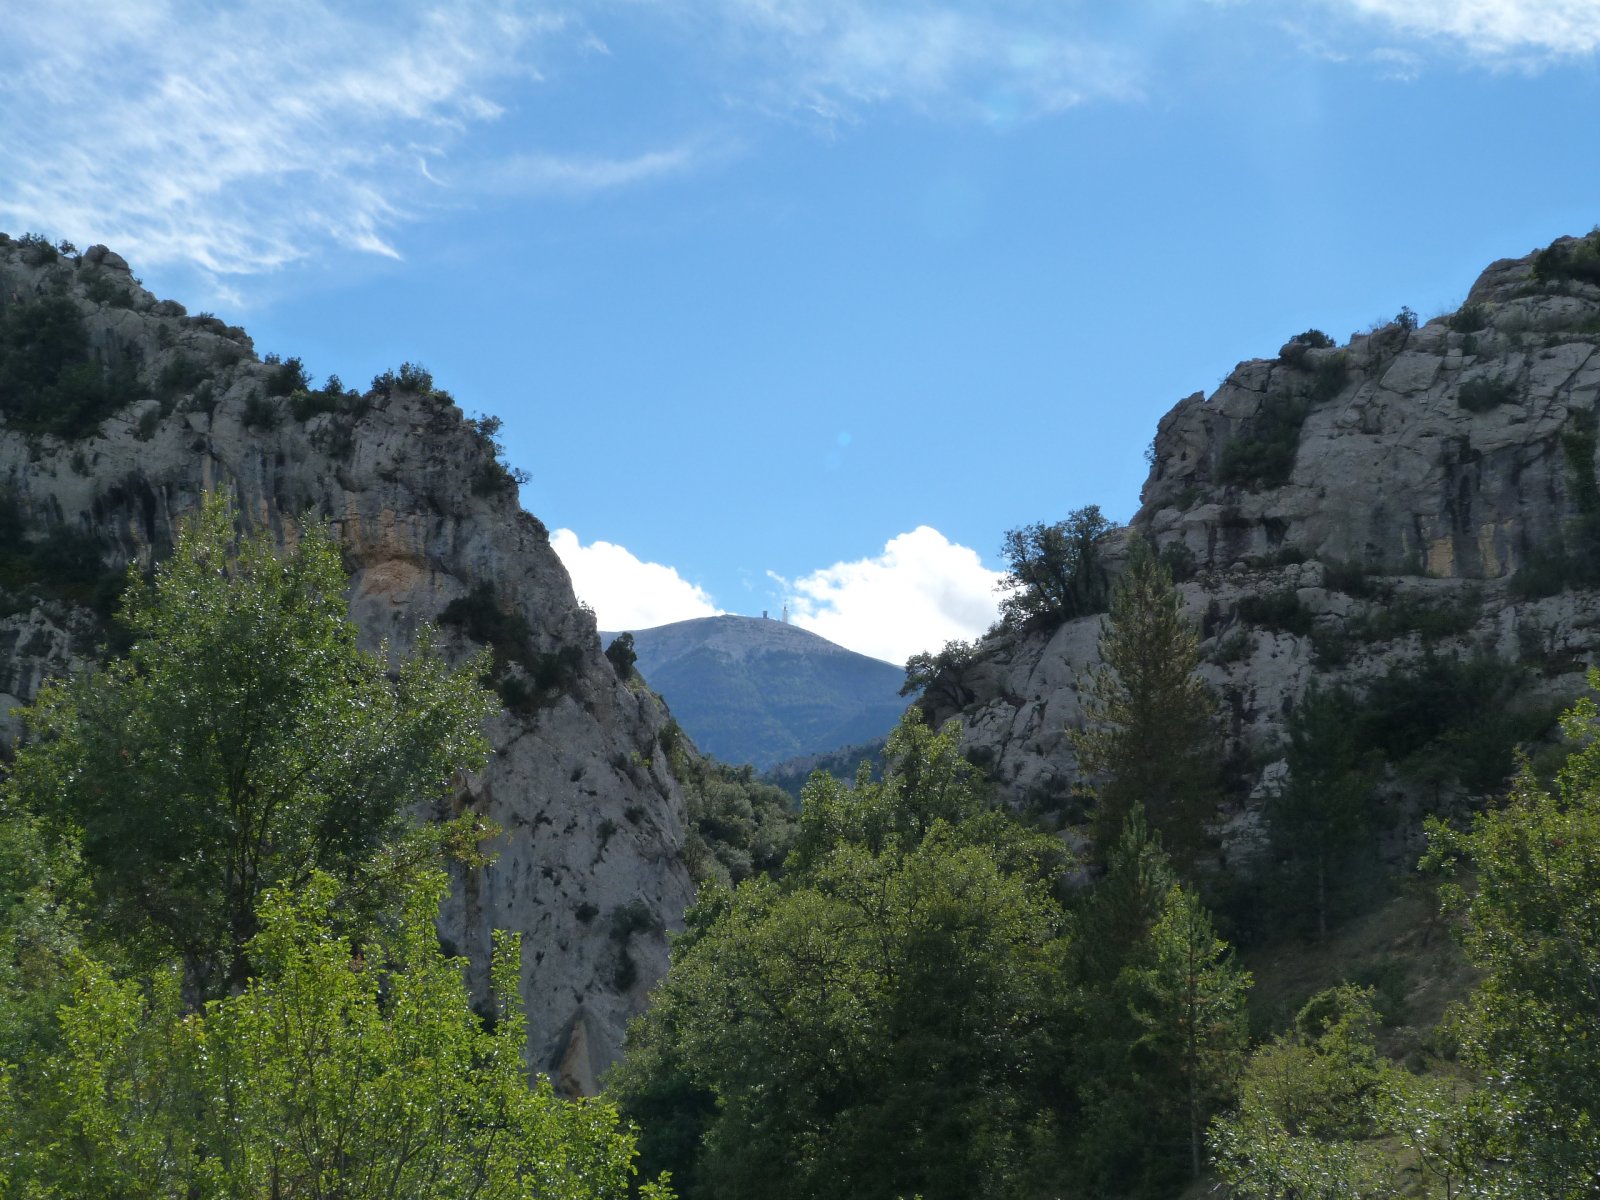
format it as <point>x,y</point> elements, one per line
<point>244,742</point>
<point>356,1071</point>
<point>865,1026</point>
<point>1055,572</point>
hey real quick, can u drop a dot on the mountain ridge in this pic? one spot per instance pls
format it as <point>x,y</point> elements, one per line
<point>757,690</point>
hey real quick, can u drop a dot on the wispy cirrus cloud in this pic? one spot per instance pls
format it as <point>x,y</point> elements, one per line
<point>835,59</point>
<point>241,138</point>
<point>1496,32</point>
<point>577,175</point>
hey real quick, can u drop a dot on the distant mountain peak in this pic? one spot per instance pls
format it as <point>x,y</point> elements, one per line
<point>758,690</point>
<point>739,637</point>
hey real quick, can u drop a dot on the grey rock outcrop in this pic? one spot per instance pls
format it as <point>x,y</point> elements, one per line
<point>1419,484</point>
<point>592,819</point>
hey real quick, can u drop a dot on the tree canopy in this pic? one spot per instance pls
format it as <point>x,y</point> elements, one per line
<point>1055,572</point>
<point>244,742</point>
<point>219,973</point>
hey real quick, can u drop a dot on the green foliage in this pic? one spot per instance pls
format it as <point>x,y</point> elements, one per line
<point>244,743</point>
<point>1149,738</point>
<point>1351,578</point>
<point>1470,318</point>
<point>354,1069</point>
<point>1315,339</point>
<point>1161,1009</point>
<point>104,289</point>
<point>525,676</point>
<point>1410,613</point>
<point>1577,259</point>
<point>492,476</point>
<point>1263,455</point>
<point>286,377</point>
<point>412,377</point>
<point>1323,1116</point>
<point>936,679</point>
<point>1282,611</point>
<point>1179,561</point>
<point>332,397</point>
<point>181,375</point>
<point>1054,572</point>
<point>60,562</point>
<point>621,655</point>
<point>1575,561</point>
<point>865,1026</point>
<point>738,825</point>
<point>37,249</point>
<point>50,379</point>
<point>1321,823</point>
<point>1484,393</point>
<point>244,774</point>
<point>1532,1026</point>
<point>260,412</point>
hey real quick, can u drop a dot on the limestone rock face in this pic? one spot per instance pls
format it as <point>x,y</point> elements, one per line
<point>1422,468</point>
<point>592,819</point>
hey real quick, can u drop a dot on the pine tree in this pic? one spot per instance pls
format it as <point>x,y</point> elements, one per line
<point>1149,737</point>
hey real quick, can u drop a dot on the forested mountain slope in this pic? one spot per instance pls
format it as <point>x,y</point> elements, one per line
<point>120,411</point>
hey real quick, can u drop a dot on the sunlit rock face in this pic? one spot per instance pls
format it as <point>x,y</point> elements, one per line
<point>1383,494</point>
<point>591,818</point>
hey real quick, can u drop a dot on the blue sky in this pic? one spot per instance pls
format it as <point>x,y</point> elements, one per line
<point>804,301</point>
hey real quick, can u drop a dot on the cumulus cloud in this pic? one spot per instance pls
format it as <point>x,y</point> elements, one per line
<point>1492,29</point>
<point>921,592</point>
<point>625,592</point>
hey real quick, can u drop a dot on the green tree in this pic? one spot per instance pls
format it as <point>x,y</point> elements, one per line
<point>1157,1034</point>
<point>621,655</point>
<point>866,1026</point>
<point>1150,738</point>
<point>245,742</point>
<point>1328,809</point>
<point>1055,572</point>
<point>345,1069</point>
<point>1188,999</point>
<point>343,1058</point>
<point>1532,1025</point>
<point>937,679</point>
<point>1323,1116</point>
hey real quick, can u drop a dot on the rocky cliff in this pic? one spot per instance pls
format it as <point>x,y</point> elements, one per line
<point>121,410</point>
<point>1423,492</point>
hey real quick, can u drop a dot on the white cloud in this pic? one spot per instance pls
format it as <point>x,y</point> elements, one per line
<point>1492,29</point>
<point>921,592</point>
<point>831,58</point>
<point>239,138</point>
<point>577,175</point>
<point>624,592</point>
